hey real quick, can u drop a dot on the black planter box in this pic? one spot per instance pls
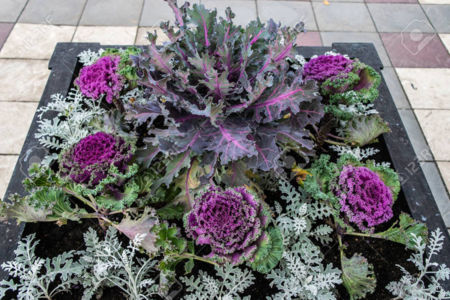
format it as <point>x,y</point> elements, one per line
<point>64,64</point>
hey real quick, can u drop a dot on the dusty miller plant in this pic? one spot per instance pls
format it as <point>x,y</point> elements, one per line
<point>229,283</point>
<point>414,286</point>
<point>109,264</point>
<point>301,272</point>
<point>73,119</point>
<point>88,57</point>
<point>39,278</point>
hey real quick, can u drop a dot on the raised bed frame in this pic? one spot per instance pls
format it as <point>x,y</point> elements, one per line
<point>63,65</point>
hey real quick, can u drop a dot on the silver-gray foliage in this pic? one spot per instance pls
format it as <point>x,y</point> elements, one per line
<point>414,286</point>
<point>301,273</point>
<point>107,263</point>
<point>229,283</point>
<point>35,276</point>
<point>104,263</point>
<point>74,117</point>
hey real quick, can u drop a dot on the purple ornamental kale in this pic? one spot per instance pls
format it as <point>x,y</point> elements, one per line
<point>89,161</point>
<point>325,66</point>
<point>230,221</point>
<point>101,78</point>
<point>364,197</point>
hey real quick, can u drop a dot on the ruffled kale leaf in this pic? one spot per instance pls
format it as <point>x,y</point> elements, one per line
<point>141,226</point>
<point>405,233</point>
<point>358,276</point>
<point>364,130</point>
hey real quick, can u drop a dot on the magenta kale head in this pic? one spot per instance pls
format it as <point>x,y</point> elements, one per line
<point>323,67</point>
<point>89,161</point>
<point>101,78</point>
<point>364,197</point>
<point>230,221</point>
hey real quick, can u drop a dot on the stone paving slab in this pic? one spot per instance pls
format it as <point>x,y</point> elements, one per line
<point>22,80</point>
<point>106,35</point>
<point>7,163</point>
<point>11,9</point>
<point>439,16</point>
<point>16,119</point>
<point>353,37</point>
<point>426,88</point>
<point>416,50</point>
<point>360,1</point>
<point>444,168</point>
<point>287,12</point>
<point>436,127</point>
<point>343,17</point>
<point>5,29</point>
<point>112,12</point>
<point>311,38</point>
<point>438,190</point>
<point>434,1</point>
<point>35,40</point>
<point>53,12</point>
<point>141,38</point>
<point>245,10</point>
<point>395,88</point>
<point>445,38</point>
<point>156,11</point>
<point>399,17</point>
<point>391,1</point>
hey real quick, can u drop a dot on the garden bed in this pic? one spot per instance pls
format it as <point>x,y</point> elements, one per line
<point>415,198</point>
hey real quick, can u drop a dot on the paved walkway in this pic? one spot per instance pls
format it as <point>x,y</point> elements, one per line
<point>412,38</point>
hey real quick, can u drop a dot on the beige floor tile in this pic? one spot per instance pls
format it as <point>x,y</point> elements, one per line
<point>444,167</point>
<point>22,80</point>
<point>141,38</point>
<point>426,88</point>
<point>436,127</point>
<point>7,163</point>
<point>35,40</point>
<point>16,119</point>
<point>106,35</point>
<point>445,38</point>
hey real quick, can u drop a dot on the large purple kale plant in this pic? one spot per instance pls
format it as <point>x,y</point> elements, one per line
<point>228,91</point>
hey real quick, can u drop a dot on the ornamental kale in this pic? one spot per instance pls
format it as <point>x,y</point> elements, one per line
<point>232,222</point>
<point>89,161</point>
<point>365,191</point>
<point>101,78</point>
<point>364,197</point>
<point>324,67</point>
<point>125,67</point>
<point>229,91</point>
<point>358,86</point>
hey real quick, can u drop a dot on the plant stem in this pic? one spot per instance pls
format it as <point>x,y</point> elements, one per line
<point>341,247</point>
<point>79,197</point>
<point>335,143</point>
<point>193,256</point>
<point>335,137</point>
